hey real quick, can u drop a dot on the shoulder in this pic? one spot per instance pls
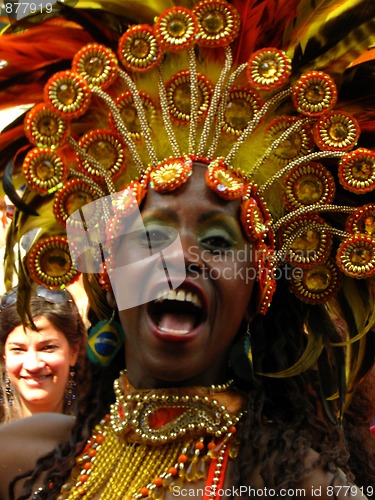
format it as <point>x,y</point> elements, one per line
<point>24,441</point>
<point>315,483</point>
<point>48,427</point>
<point>327,485</point>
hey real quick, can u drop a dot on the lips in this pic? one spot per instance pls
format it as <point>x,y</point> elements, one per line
<point>177,313</point>
<point>35,381</point>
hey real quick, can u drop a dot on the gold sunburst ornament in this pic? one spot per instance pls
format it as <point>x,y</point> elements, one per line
<point>105,154</point>
<point>138,49</point>
<point>68,94</point>
<point>218,22</point>
<point>44,170</point>
<point>171,174</point>
<point>242,104</point>
<point>178,94</point>
<point>357,171</point>
<point>75,194</point>
<point>307,240</point>
<point>314,93</point>
<point>356,256</point>
<point>49,263</point>
<point>362,221</point>
<point>317,283</point>
<point>336,130</point>
<point>226,183</point>
<point>97,64</point>
<point>308,185</point>
<point>268,69</point>
<point>176,29</point>
<point>44,127</point>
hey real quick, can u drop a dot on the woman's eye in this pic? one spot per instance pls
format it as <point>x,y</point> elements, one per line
<point>217,242</point>
<point>17,350</point>
<point>156,237</point>
<point>49,348</point>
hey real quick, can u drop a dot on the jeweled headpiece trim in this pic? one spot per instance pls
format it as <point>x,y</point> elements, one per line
<point>255,125</point>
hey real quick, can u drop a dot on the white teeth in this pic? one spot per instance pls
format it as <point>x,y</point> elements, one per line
<point>36,379</point>
<point>181,296</point>
<point>175,332</point>
<point>195,300</point>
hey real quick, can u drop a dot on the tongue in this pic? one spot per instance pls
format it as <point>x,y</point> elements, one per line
<point>176,323</point>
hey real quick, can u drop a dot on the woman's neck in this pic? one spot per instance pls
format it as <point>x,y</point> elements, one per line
<point>140,380</point>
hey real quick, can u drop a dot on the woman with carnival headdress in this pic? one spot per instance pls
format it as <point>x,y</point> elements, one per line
<point>157,160</point>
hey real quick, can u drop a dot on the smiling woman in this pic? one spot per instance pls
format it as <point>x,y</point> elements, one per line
<point>210,174</point>
<point>42,365</point>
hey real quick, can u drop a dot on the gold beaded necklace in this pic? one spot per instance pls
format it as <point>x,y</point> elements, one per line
<point>155,440</point>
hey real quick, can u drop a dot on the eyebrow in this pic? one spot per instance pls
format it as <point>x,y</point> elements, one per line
<point>171,214</point>
<point>216,214</point>
<point>159,212</point>
<point>46,341</point>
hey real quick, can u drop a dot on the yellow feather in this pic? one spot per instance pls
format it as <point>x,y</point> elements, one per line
<point>310,356</point>
<point>311,17</point>
<point>318,26</point>
<point>338,58</point>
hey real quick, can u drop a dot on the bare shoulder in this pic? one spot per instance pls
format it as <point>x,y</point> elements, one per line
<point>26,440</point>
<point>316,484</point>
<point>41,430</point>
<point>326,485</point>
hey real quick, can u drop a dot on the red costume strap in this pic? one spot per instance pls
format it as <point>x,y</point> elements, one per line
<point>211,491</point>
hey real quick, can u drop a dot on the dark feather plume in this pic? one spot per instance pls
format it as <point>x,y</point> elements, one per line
<point>11,192</point>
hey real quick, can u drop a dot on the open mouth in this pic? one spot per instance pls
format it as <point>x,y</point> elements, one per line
<point>177,312</point>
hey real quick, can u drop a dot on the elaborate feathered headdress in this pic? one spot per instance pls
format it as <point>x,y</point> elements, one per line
<point>276,97</point>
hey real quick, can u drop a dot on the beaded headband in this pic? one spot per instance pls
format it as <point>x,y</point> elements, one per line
<point>171,95</point>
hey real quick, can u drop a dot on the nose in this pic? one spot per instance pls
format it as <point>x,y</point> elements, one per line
<point>33,361</point>
<point>183,255</point>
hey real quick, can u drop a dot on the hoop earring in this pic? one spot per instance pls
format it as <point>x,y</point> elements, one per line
<point>241,357</point>
<point>70,396</point>
<point>8,390</point>
<point>106,338</point>
<point>248,350</point>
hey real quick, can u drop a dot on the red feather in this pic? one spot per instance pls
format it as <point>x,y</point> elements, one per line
<point>11,136</point>
<point>39,47</point>
<point>262,24</point>
<point>20,94</point>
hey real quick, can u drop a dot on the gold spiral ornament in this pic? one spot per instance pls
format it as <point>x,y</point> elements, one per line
<point>44,170</point>
<point>97,64</point>
<point>50,264</point>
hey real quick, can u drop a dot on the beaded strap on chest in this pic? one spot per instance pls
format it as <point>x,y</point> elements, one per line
<point>160,416</point>
<point>158,440</point>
